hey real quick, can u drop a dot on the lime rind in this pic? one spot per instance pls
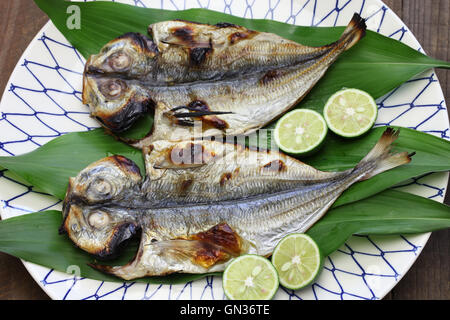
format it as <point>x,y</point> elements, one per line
<point>306,126</point>
<point>350,112</point>
<point>312,264</point>
<point>259,269</point>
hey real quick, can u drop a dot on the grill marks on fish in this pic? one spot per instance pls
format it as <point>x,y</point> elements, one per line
<point>225,177</point>
<point>127,165</point>
<point>198,51</point>
<point>185,184</point>
<point>276,165</point>
<point>219,243</point>
<point>241,35</point>
<point>184,34</point>
<point>246,78</point>
<point>225,25</point>
<point>198,55</point>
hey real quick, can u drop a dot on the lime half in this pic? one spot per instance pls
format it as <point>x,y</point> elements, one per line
<point>250,277</point>
<point>300,131</point>
<point>298,260</point>
<point>350,112</point>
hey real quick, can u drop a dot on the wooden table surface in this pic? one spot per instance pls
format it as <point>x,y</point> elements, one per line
<point>20,20</point>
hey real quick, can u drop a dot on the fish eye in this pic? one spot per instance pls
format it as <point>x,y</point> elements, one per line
<point>102,187</point>
<point>113,88</point>
<point>99,219</point>
<point>119,61</point>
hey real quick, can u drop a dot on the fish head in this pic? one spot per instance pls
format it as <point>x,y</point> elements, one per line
<point>109,179</point>
<point>92,216</point>
<point>113,98</point>
<point>114,102</point>
<point>130,55</point>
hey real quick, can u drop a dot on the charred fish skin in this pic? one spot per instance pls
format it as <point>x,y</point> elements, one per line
<point>231,79</point>
<point>203,235</point>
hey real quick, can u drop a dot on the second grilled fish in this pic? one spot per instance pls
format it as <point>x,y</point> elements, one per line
<point>231,79</point>
<point>203,203</point>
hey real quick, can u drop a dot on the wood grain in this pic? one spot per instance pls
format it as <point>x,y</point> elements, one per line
<point>428,20</point>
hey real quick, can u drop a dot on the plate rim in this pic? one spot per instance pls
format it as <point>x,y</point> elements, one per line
<point>30,267</point>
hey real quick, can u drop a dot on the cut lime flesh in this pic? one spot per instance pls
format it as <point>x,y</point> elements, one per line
<point>297,260</point>
<point>350,112</point>
<point>250,277</point>
<point>300,131</point>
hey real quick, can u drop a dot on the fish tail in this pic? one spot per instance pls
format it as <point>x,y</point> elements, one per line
<point>356,29</point>
<point>380,157</point>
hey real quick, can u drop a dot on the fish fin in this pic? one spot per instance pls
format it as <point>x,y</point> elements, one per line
<point>206,248</point>
<point>382,158</point>
<point>356,29</point>
<point>198,252</point>
<point>172,123</point>
<point>197,110</point>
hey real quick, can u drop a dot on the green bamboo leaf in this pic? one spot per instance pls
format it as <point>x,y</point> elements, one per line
<point>389,212</point>
<point>377,64</point>
<point>34,237</point>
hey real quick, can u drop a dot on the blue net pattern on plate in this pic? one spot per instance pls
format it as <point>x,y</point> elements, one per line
<point>62,98</point>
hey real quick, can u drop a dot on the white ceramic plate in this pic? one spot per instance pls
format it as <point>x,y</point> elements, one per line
<point>42,101</point>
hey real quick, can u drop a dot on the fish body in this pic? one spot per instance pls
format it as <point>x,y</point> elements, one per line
<point>230,79</point>
<point>196,213</point>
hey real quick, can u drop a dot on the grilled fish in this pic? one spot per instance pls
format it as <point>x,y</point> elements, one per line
<point>230,79</point>
<point>202,203</point>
